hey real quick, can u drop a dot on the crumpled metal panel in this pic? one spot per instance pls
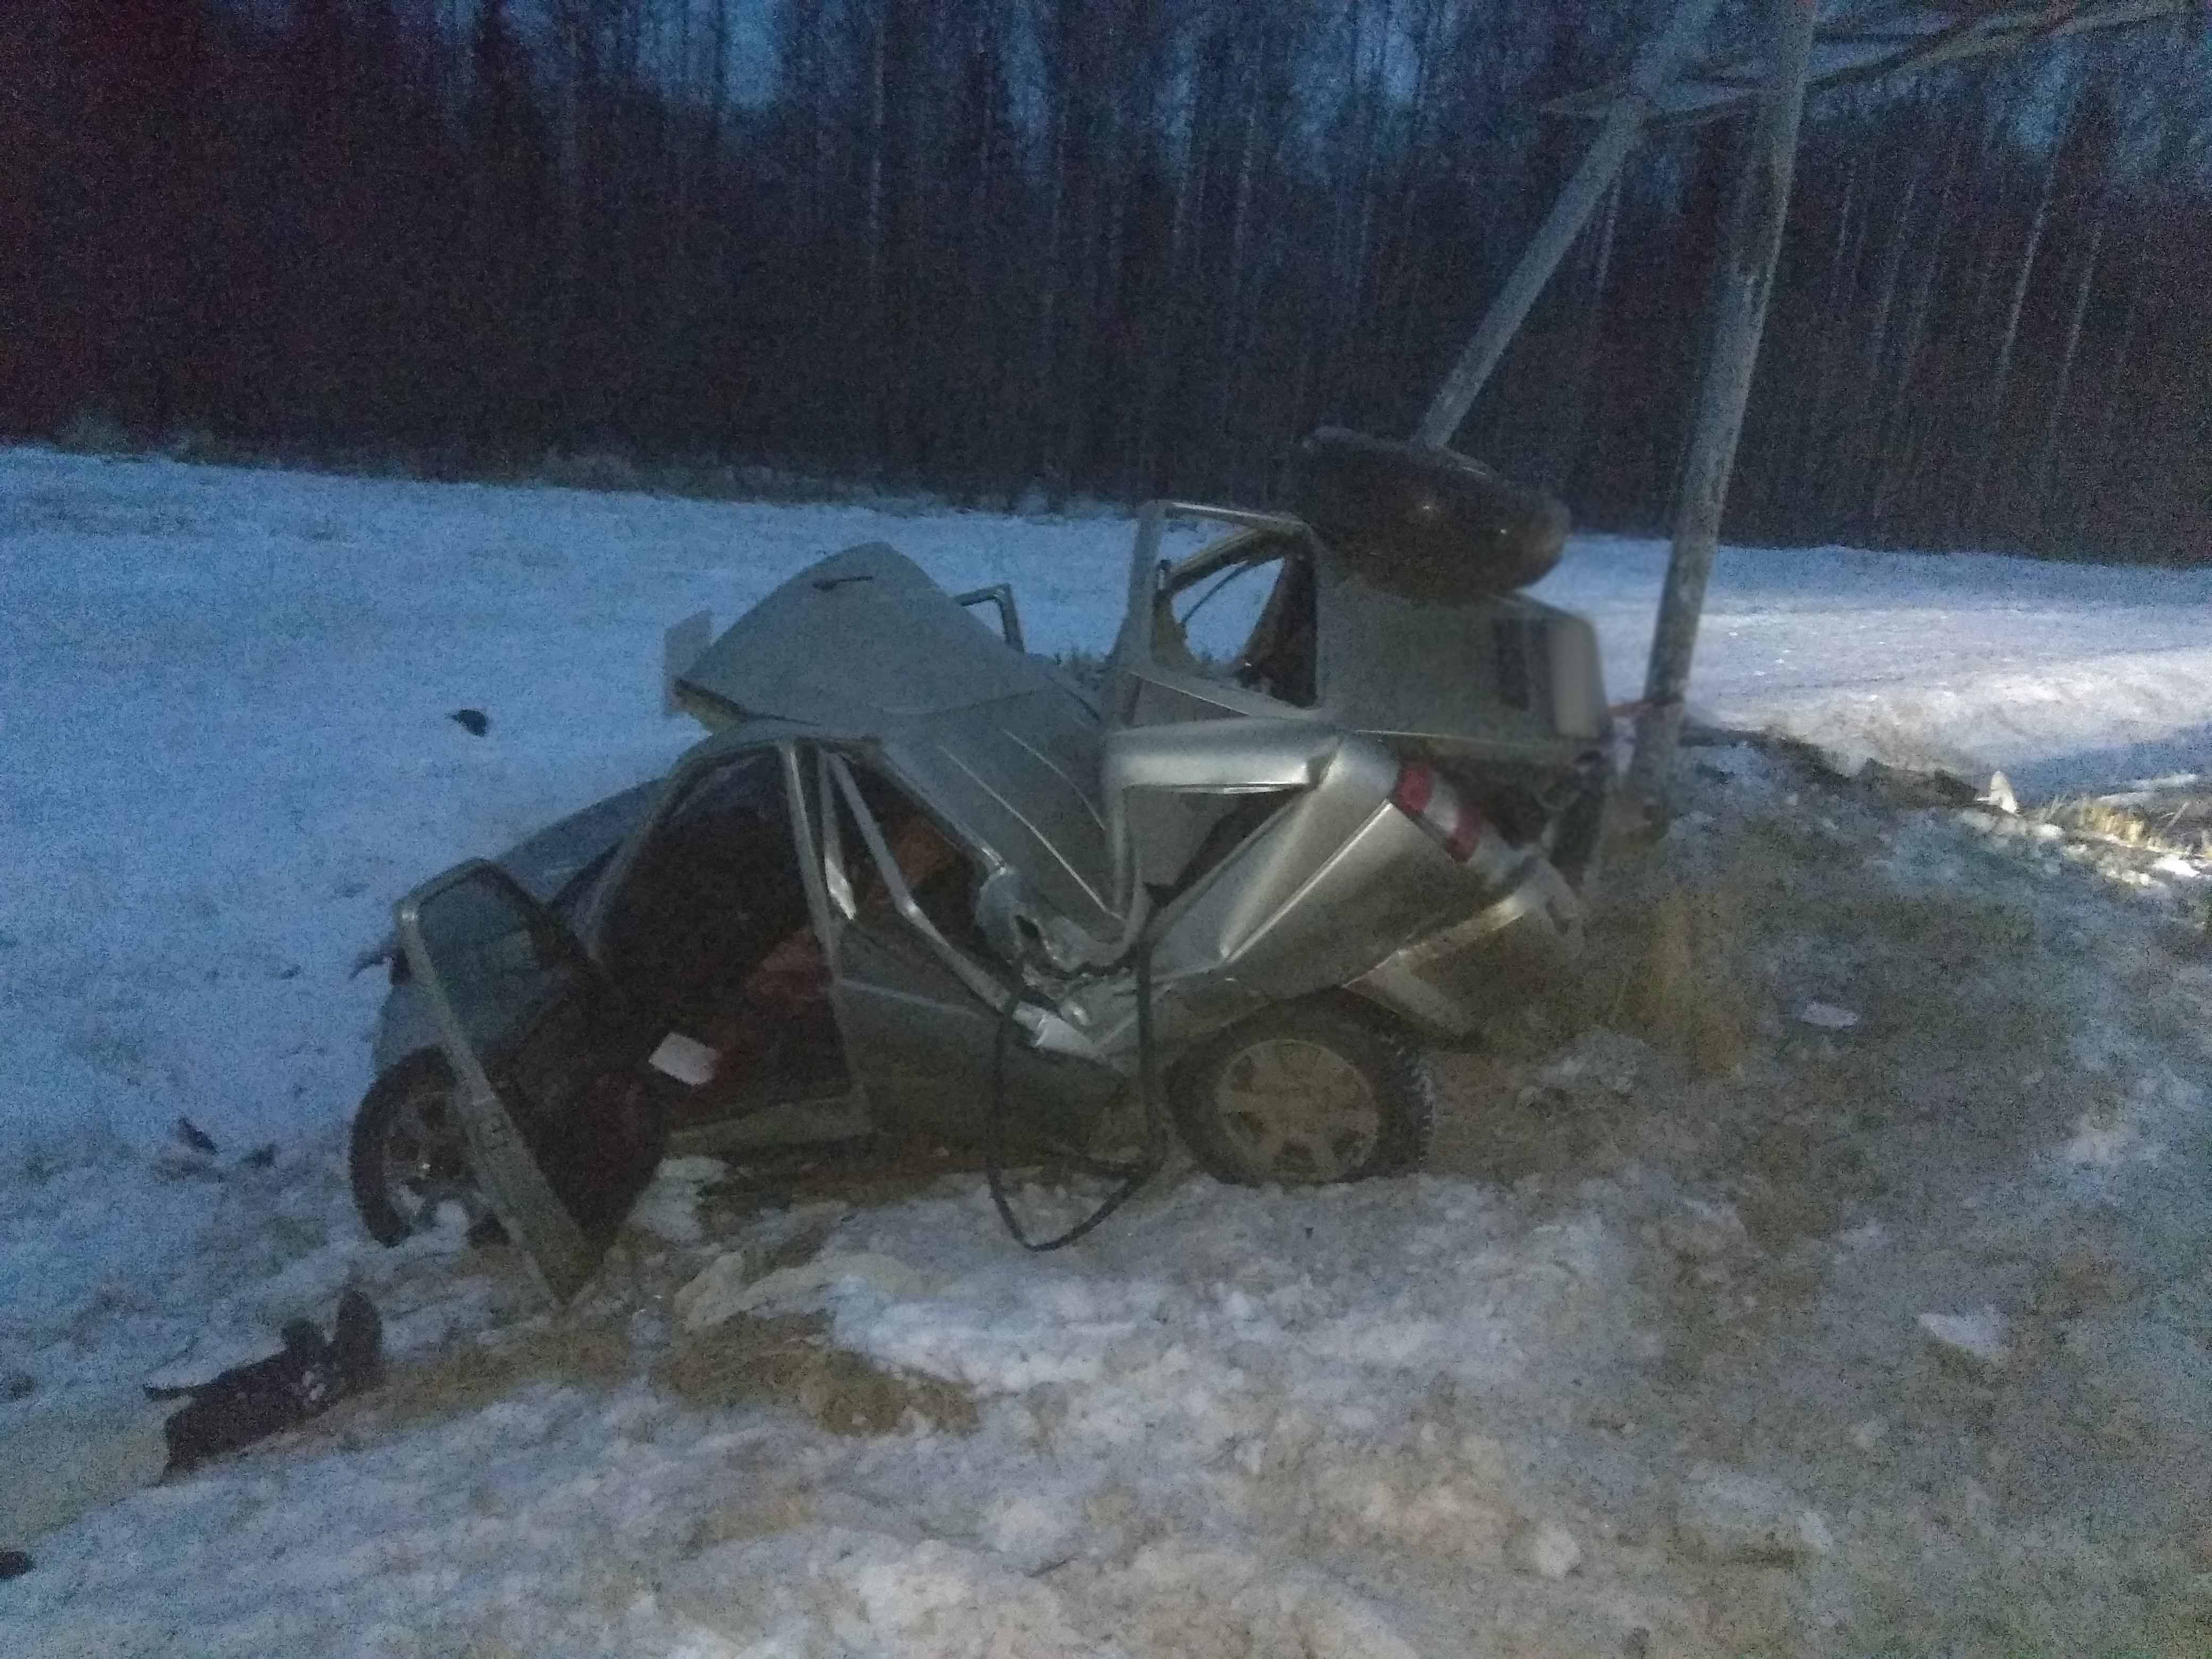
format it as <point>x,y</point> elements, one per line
<point>861,640</point>
<point>864,645</point>
<point>1021,778</point>
<point>1489,689</point>
<point>1522,945</point>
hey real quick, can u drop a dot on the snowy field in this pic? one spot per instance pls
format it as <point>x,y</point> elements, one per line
<point>1641,1368</point>
<point>223,701</point>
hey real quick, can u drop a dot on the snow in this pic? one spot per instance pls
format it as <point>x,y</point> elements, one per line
<point>2068,677</point>
<point>1362,1421</point>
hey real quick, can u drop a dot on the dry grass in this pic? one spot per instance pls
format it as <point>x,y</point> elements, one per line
<point>1500,1135</point>
<point>1705,951</point>
<point>783,1360</point>
<point>1668,962</point>
<point>2180,824</point>
<point>1696,959</point>
<point>789,1360</point>
<point>593,1354</point>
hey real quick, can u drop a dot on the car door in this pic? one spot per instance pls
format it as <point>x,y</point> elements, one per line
<point>563,1133</point>
<point>919,998</point>
<point>1230,630</point>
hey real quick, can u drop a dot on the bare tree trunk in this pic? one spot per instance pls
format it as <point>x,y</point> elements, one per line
<point>1570,460</point>
<point>2108,419</point>
<point>1047,333</point>
<point>1808,477</point>
<point>2001,378</point>
<point>874,222</point>
<point>2041,492</point>
<point>1896,430</point>
<point>1229,340</point>
<point>1866,426</point>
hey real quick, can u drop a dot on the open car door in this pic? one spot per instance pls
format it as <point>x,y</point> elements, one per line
<point>563,1132</point>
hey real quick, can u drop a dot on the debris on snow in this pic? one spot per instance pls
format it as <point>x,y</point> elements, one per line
<point>1544,1548</point>
<point>1871,1433</point>
<point>710,1298</point>
<point>254,1400</point>
<point>1729,1515</point>
<point>1999,796</point>
<point>1976,1340</point>
<point>1604,1060</point>
<point>1828,1017</point>
<point>668,1207</point>
<point>731,1285</point>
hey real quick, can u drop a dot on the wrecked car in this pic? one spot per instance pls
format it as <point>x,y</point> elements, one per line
<point>1319,813</point>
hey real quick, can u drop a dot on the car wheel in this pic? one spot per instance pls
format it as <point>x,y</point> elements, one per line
<point>408,1157</point>
<point>1312,1092</point>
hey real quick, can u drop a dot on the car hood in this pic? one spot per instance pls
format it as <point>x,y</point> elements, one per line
<point>861,641</point>
<point>864,645</point>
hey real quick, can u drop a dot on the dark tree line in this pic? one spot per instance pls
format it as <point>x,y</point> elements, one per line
<point>1125,247</point>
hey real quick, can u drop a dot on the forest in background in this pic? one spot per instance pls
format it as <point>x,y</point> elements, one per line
<point>1111,248</point>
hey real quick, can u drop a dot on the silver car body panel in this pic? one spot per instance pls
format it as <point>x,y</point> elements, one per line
<point>545,863</point>
<point>1521,945</point>
<point>1509,678</point>
<point>1254,847</point>
<point>497,968</point>
<point>1003,744</point>
<point>859,640</point>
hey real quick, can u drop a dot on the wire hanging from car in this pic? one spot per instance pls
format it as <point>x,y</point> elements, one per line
<point>1131,1177</point>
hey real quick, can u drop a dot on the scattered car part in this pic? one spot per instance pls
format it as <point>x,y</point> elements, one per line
<point>253,1401</point>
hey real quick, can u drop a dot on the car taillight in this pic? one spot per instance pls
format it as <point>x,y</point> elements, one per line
<point>1434,804</point>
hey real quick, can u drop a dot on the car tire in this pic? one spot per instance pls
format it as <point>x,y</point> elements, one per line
<point>1426,523</point>
<point>407,1156</point>
<point>1309,1093</point>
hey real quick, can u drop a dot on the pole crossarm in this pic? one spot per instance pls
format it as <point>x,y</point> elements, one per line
<point>1867,43</point>
<point>1624,121</point>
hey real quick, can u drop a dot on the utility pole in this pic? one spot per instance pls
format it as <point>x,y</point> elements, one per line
<point>1655,67</point>
<point>1757,212</point>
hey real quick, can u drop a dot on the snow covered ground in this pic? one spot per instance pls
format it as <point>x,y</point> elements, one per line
<point>1640,1368</point>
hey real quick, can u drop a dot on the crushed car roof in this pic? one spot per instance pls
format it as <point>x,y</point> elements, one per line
<point>863,645</point>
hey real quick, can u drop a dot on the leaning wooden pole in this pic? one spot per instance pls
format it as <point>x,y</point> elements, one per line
<point>1654,66</point>
<point>1757,212</point>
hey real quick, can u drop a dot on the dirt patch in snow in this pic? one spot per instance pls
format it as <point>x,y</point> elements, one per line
<point>1917,1101</point>
<point>1829,1275</point>
<point>788,1359</point>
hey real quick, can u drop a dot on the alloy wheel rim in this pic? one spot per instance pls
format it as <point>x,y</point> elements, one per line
<point>426,1160</point>
<point>1296,1111</point>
